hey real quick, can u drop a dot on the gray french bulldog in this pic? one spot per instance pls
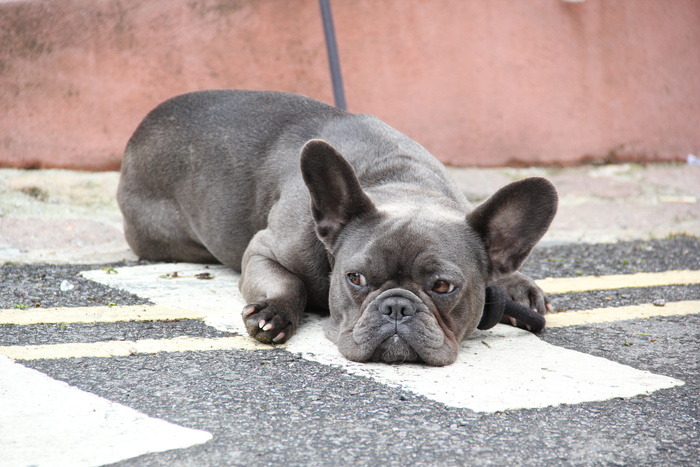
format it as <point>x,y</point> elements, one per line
<point>320,209</point>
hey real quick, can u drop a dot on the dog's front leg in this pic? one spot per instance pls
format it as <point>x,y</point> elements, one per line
<point>523,290</point>
<point>276,297</point>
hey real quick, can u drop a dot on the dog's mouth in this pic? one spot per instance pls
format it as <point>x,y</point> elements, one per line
<point>394,349</point>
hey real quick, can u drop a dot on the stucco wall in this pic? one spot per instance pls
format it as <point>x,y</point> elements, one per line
<point>476,82</point>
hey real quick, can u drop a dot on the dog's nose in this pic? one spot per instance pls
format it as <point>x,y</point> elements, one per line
<point>397,308</point>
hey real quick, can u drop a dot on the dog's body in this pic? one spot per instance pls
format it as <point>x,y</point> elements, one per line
<point>380,236</point>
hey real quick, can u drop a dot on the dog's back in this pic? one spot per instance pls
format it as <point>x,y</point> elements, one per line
<point>202,170</point>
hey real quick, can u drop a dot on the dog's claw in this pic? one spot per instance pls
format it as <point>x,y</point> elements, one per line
<point>268,324</point>
<point>279,337</point>
<point>513,321</point>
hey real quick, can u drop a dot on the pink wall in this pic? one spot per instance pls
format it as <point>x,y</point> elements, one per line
<point>476,82</point>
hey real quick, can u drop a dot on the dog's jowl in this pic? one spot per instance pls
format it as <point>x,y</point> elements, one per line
<point>327,210</point>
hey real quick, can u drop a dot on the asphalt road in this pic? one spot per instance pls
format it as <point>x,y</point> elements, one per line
<point>269,407</point>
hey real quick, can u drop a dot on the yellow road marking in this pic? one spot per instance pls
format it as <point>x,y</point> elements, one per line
<point>93,314</point>
<point>107,314</point>
<point>111,314</point>
<point>618,281</point>
<point>126,348</point>
<point>188,344</point>
<point>607,315</point>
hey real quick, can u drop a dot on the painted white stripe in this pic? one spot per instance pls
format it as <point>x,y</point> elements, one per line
<point>504,368</point>
<point>96,314</point>
<point>520,365</point>
<point>218,299</point>
<point>49,423</point>
<point>610,314</point>
<point>618,281</point>
<point>126,348</point>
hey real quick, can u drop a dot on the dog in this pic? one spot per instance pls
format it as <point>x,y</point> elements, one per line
<point>320,209</point>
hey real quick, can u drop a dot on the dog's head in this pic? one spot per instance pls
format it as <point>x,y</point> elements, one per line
<point>409,278</point>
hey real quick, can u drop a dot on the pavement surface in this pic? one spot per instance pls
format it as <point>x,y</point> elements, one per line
<point>105,359</point>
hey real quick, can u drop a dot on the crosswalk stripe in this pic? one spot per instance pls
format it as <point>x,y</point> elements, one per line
<point>127,348</point>
<point>561,285</point>
<point>93,314</point>
<point>610,314</point>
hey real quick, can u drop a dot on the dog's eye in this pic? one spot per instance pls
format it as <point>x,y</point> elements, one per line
<point>442,287</point>
<point>357,279</point>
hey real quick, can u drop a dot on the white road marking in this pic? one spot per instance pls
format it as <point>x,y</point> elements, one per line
<point>618,281</point>
<point>504,368</point>
<point>218,298</point>
<point>528,372</point>
<point>49,423</point>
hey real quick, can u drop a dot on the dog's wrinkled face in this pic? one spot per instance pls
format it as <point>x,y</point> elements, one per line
<point>399,293</point>
<point>410,272</point>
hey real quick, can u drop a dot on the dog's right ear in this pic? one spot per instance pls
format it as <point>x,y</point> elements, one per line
<point>336,194</point>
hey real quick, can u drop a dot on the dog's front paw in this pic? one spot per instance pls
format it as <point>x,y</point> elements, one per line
<point>523,290</point>
<point>268,322</point>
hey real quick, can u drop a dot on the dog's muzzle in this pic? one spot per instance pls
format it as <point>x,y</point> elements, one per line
<point>396,309</point>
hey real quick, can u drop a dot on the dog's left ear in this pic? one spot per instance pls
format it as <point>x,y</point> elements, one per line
<point>336,194</point>
<point>513,220</point>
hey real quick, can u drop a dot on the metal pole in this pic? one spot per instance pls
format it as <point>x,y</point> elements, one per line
<point>333,59</point>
